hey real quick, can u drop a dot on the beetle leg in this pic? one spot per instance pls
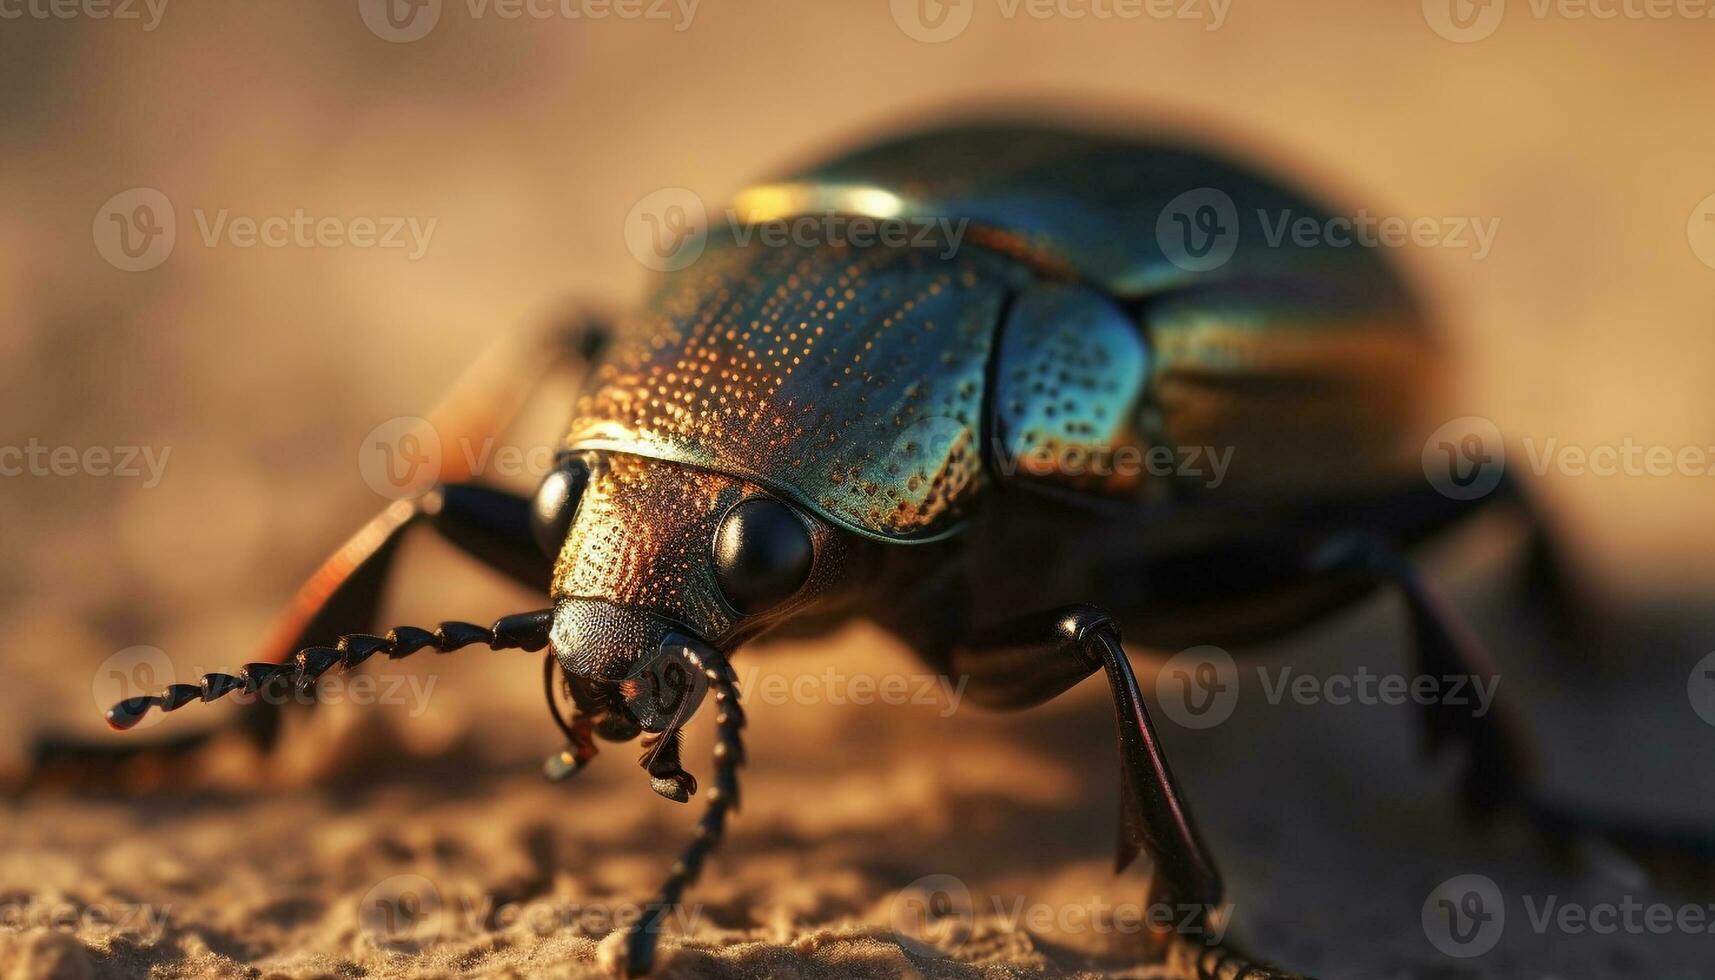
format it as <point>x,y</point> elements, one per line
<point>1571,606</point>
<point>345,592</point>
<point>579,731</point>
<point>1030,660</point>
<point>1497,764</point>
<point>661,760</point>
<point>489,524</point>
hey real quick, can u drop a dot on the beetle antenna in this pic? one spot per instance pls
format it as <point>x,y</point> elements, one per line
<point>729,755</point>
<point>524,631</point>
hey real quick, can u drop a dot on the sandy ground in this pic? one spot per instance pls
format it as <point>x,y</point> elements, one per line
<point>387,842</point>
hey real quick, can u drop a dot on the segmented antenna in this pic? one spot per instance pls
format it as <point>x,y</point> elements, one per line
<point>524,631</point>
<point>729,755</point>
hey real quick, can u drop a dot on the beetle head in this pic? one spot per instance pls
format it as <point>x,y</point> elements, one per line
<point>653,554</point>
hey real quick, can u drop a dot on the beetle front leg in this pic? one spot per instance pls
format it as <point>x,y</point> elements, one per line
<point>1030,660</point>
<point>661,760</point>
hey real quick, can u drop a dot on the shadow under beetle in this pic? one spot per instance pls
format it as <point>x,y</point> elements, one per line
<point>935,438</point>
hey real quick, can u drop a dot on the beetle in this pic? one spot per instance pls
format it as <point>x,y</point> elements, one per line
<point>936,437</point>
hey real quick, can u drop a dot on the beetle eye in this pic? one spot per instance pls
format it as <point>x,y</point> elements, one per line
<point>762,554</point>
<point>556,503</point>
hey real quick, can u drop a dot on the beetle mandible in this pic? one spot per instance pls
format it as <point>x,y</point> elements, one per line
<point>932,438</point>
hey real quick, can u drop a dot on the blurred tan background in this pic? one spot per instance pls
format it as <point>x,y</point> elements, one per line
<point>528,140</point>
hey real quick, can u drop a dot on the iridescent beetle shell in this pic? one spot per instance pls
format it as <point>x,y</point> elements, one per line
<point>883,388</point>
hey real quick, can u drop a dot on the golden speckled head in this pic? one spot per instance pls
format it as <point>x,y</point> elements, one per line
<point>658,547</point>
